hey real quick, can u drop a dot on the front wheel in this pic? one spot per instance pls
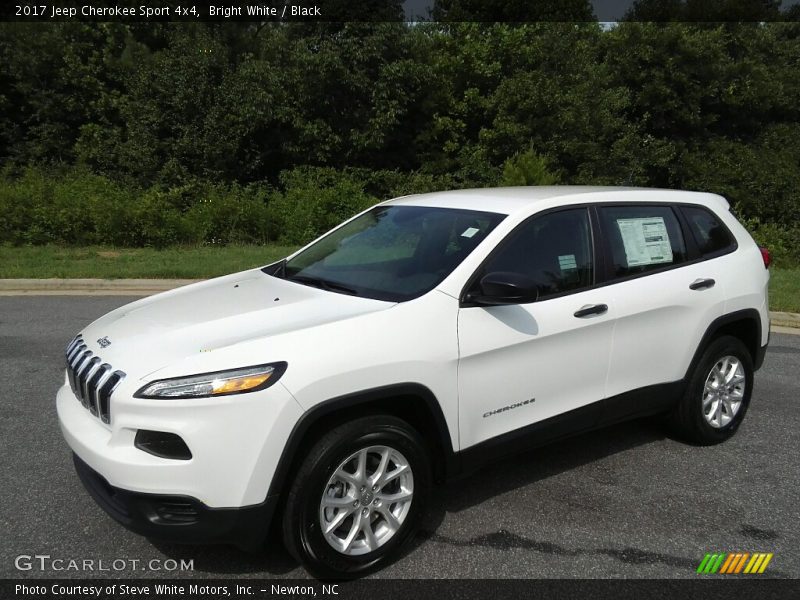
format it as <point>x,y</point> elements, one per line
<point>718,393</point>
<point>357,497</point>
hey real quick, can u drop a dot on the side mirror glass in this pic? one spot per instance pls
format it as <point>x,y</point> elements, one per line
<point>501,288</point>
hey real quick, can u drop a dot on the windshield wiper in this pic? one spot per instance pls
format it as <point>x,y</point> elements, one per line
<point>323,284</point>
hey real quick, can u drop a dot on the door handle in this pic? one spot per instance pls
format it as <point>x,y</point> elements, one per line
<point>702,284</point>
<point>591,309</point>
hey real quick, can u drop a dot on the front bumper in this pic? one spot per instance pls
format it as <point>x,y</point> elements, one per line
<point>235,443</point>
<point>180,519</point>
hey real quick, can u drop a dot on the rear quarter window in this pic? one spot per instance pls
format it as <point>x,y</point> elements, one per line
<point>710,235</point>
<point>640,239</point>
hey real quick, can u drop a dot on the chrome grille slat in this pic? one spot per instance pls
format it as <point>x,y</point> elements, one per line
<point>72,353</point>
<point>92,381</point>
<point>104,395</point>
<point>80,370</point>
<point>77,357</point>
<point>71,377</point>
<point>83,362</point>
<point>73,345</point>
<point>85,377</point>
<point>95,383</point>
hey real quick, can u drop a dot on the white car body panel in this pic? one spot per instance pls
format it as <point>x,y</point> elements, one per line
<point>197,319</point>
<point>659,324</point>
<point>536,351</point>
<point>744,290</point>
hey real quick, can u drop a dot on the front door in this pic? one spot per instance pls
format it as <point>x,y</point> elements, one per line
<point>524,363</point>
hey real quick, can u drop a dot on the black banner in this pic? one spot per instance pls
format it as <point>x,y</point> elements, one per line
<point>510,11</point>
<point>440,589</point>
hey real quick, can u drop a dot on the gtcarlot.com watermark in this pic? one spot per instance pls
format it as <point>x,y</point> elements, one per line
<point>46,562</point>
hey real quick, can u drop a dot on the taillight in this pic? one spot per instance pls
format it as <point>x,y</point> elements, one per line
<point>765,256</point>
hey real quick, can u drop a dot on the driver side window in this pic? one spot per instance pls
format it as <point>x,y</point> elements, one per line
<point>555,250</point>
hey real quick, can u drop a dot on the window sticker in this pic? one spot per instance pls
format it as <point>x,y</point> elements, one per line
<point>567,262</point>
<point>646,241</point>
<point>469,232</point>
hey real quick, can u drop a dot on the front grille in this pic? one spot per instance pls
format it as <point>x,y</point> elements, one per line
<point>92,381</point>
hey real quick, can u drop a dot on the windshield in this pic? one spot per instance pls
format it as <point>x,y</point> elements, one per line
<point>393,253</point>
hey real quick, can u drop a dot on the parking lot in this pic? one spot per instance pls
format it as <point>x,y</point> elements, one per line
<point>623,502</point>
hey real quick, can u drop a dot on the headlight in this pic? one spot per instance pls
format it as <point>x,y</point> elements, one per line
<point>218,383</point>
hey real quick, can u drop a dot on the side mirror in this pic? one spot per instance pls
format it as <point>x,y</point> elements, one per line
<point>501,288</point>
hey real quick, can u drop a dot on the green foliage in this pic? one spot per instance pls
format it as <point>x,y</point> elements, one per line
<point>782,240</point>
<point>314,201</point>
<point>79,208</point>
<point>391,184</point>
<point>242,133</point>
<point>527,168</point>
<point>73,209</point>
<point>229,215</point>
<point>761,178</point>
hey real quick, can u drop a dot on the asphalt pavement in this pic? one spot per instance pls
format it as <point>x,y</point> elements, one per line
<point>627,501</point>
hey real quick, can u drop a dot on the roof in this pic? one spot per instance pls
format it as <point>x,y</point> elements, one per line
<point>509,200</point>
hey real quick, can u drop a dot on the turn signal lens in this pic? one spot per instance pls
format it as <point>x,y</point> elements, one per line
<point>240,384</point>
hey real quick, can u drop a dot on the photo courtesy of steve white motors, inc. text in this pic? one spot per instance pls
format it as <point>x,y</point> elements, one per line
<point>171,589</point>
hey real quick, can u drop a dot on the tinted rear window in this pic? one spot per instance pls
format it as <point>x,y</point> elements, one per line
<point>642,238</point>
<point>709,233</point>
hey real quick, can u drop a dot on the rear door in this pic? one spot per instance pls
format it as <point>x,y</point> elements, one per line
<point>664,296</point>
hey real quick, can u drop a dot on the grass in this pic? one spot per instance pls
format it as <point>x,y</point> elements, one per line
<point>180,262</point>
<point>784,289</point>
<point>196,262</point>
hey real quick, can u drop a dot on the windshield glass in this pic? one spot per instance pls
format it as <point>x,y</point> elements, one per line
<point>393,253</point>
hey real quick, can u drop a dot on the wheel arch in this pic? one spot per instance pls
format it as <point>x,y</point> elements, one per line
<point>412,402</point>
<point>742,324</point>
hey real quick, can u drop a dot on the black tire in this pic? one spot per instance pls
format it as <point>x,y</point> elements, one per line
<point>688,420</point>
<point>301,520</point>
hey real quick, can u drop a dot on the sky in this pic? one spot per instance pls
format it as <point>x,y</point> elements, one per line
<point>605,10</point>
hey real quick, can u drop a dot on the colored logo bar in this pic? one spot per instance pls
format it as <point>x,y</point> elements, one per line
<point>734,563</point>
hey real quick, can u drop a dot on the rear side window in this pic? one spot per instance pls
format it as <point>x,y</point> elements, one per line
<point>709,233</point>
<point>642,238</point>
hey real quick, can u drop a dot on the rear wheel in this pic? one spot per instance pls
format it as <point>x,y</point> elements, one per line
<point>357,497</point>
<point>718,393</point>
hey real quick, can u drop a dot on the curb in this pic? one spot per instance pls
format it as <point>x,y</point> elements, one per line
<point>89,287</point>
<point>146,287</point>
<point>784,319</point>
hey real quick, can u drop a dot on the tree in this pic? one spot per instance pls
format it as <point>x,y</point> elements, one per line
<point>556,97</point>
<point>53,78</point>
<point>528,168</point>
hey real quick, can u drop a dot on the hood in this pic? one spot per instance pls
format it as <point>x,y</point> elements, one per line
<point>151,333</point>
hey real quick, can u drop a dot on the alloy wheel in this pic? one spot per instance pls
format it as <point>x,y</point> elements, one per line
<point>723,391</point>
<point>366,500</point>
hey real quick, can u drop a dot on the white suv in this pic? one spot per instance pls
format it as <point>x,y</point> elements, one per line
<point>326,392</point>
